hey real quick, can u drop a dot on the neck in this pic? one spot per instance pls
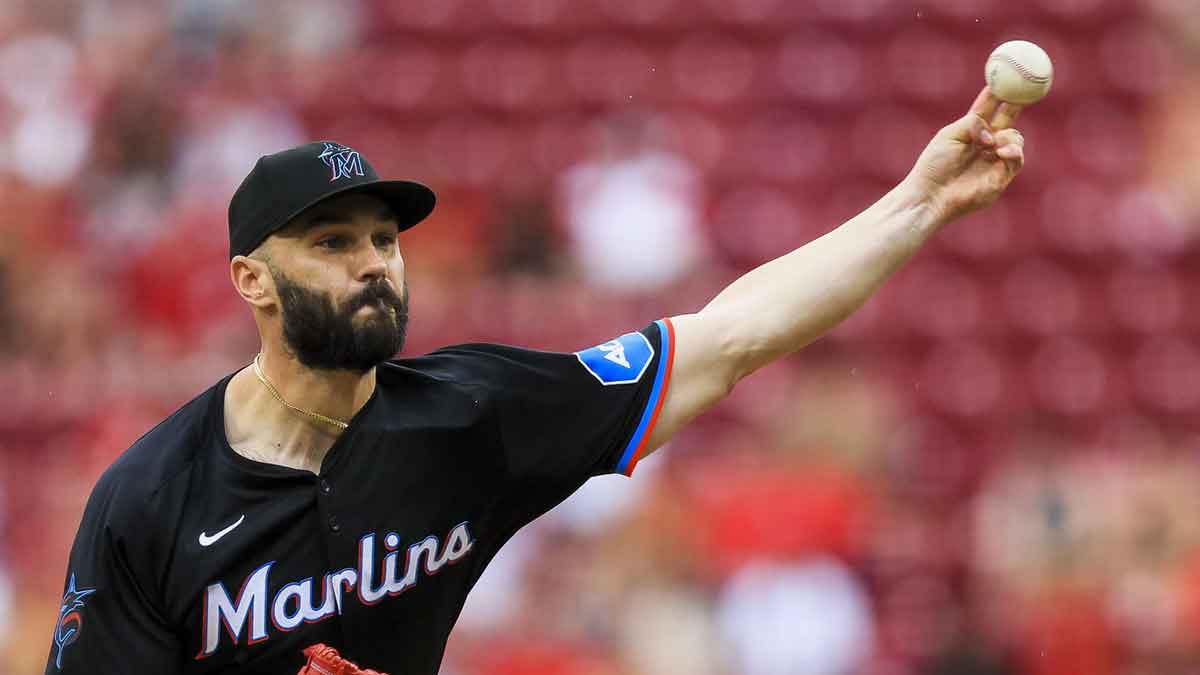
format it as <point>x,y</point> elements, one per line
<point>334,393</point>
<point>259,427</point>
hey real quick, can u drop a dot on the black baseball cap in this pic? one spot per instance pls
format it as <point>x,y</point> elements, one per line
<point>282,185</point>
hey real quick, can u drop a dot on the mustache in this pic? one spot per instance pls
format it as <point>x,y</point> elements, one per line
<point>374,294</point>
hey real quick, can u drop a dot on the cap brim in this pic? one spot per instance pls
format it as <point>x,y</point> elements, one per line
<point>410,202</point>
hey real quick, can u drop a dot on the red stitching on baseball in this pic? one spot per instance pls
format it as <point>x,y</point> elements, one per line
<point>1025,72</point>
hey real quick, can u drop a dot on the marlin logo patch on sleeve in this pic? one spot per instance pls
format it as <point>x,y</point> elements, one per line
<point>70,621</point>
<point>619,361</point>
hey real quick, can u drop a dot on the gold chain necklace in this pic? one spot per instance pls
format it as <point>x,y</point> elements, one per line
<point>333,422</point>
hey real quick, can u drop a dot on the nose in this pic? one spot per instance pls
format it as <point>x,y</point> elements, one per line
<point>371,264</point>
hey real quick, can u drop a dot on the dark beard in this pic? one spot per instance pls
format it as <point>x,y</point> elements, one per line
<point>323,337</point>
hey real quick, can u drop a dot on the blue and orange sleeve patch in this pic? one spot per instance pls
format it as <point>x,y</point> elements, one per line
<point>636,448</point>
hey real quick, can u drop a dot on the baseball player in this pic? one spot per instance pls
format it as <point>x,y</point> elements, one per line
<point>330,500</point>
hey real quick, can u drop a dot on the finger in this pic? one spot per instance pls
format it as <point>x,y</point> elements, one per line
<point>1006,114</point>
<point>974,129</point>
<point>1011,151</point>
<point>1013,157</point>
<point>985,104</point>
<point>1009,136</point>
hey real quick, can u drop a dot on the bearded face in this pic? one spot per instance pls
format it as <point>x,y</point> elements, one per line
<point>355,335</point>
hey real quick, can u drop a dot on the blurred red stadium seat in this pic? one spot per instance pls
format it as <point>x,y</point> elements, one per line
<point>412,72</point>
<point>467,149</point>
<point>712,68</point>
<point>530,14</point>
<point>746,222</point>
<point>1042,297</point>
<point>426,15</point>
<point>822,67</point>
<point>1070,377</point>
<point>701,139</point>
<point>504,72</point>
<point>1082,10</point>
<point>1166,374</point>
<point>608,69</point>
<point>746,13</point>
<point>858,11</point>
<point>995,234</point>
<point>1135,59</point>
<point>884,140</point>
<point>1104,138</point>
<point>966,378</point>
<point>782,147</point>
<point>971,11</point>
<point>927,65</point>
<point>1072,216</point>
<point>938,300</point>
<point>654,15</point>
<point>1145,298</point>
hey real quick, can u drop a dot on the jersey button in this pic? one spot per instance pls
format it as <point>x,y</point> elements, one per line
<point>333,524</point>
<point>326,488</point>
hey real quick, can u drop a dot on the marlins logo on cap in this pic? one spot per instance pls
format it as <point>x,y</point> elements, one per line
<point>342,160</point>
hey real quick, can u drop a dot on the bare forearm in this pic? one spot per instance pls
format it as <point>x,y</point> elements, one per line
<point>788,302</point>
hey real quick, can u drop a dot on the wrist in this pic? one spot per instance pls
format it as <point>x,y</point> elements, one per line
<point>919,203</point>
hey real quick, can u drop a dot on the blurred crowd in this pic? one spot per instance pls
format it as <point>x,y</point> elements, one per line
<point>989,470</point>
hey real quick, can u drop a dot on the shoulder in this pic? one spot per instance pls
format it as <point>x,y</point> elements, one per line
<point>469,365</point>
<point>459,382</point>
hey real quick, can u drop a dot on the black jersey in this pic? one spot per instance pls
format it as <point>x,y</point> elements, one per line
<point>193,559</point>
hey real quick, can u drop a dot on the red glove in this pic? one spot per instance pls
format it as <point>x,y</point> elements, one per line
<point>325,660</point>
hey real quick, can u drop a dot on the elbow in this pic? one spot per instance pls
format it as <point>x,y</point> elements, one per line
<point>732,347</point>
<point>738,357</point>
<point>716,348</point>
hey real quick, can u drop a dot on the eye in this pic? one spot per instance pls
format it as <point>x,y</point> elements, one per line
<point>385,240</point>
<point>331,242</point>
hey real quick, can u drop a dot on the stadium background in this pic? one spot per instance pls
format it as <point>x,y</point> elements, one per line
<point>990,469</point>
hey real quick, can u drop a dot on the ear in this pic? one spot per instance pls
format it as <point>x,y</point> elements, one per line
<point>253,281</point>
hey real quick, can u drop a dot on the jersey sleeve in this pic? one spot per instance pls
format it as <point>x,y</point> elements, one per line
<point>563,417</point>
<point>107,621</point>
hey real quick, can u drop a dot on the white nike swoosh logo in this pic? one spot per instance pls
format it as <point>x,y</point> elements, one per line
<point>206,540</point>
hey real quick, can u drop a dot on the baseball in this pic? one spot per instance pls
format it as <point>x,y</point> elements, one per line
<point>1019,72</point>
